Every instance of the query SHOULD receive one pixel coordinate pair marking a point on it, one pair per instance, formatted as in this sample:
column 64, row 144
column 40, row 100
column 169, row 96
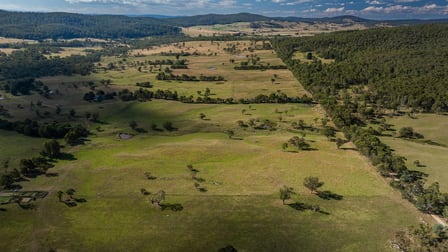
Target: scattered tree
column 285, row 193
column 60, row 194
column 339, row 142
column 159, row 198
column 329, row 132
column 52, row 149
column 72, row 113
column 168, row 126
column 408, row 132
column 228, row 248
column 230, row 133
column 6, row 180
column 312, row 183
column 133, row 124
column 299, row 142
column 70, row 192
column 309, row 56
column 285, row 146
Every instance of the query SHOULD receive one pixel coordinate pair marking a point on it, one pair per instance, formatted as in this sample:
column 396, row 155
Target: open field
column 302, row 57
column 69, row 51
column 433, row 158
column 432, row 126
column 8, row 50
column 15, row 146
column 240, row 176
column 4, row 40
column 211, row 61
column 273, row 28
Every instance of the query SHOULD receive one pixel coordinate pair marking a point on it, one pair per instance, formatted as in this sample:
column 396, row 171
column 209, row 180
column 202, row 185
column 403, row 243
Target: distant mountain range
column 212, row 19
column 33, row 25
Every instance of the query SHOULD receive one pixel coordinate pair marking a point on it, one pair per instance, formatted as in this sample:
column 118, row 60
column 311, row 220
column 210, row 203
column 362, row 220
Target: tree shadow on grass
column 80, row 200
column 70, row 203
column 67, row 157
column 349, row 148
column 299, row 206
column 16, row 186
column 27, row 206
column 329, row 195
column 140, row 130
column 80, row 141
column 51, row 174
column 303, row 207
column 173, row 207
column 74, row 202
column 202, row 189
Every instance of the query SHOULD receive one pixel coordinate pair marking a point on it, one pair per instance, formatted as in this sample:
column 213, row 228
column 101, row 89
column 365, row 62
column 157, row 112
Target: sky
column 373, row 9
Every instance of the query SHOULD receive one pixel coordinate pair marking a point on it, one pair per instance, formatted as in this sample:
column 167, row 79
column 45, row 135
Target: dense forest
column 212, row 19
column 33, row 62
column 404, row 66
column 66, row 25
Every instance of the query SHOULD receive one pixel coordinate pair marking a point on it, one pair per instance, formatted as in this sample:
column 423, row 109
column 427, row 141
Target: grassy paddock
column 69, row 51
column 242, row 179
column 14, row 147
column 433, row 158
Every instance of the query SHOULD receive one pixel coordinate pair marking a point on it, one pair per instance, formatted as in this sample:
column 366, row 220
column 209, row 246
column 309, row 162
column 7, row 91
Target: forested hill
column 28, row 25
column 390, row 67
column 212, row 19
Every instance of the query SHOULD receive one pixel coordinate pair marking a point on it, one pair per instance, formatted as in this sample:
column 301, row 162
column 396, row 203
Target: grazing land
column 242, row 178
column 273, row 28
column 431, row 151
column 229, row 194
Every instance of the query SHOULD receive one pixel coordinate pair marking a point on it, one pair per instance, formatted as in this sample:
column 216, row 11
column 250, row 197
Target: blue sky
column 375, row 9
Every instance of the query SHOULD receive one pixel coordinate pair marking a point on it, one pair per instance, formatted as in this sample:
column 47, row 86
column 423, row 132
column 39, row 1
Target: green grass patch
column 432, row 157
column 241, row 206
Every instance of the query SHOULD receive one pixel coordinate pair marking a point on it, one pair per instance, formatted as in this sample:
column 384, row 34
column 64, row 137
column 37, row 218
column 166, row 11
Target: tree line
column 71, row 133
column 142, row 94
column 186, row 77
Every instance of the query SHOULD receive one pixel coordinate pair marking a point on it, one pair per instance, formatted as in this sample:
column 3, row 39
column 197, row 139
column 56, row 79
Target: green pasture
column 14, row 147
column 432, row 126
column 242, row 178
column 433, row 157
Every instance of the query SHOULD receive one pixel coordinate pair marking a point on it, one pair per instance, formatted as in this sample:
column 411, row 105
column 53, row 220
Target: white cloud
column 374, row 2
column 429, row 8
column 406, row 1
column 227, row 3
column 298, row 2
column 333, row 10
column 125, row 2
